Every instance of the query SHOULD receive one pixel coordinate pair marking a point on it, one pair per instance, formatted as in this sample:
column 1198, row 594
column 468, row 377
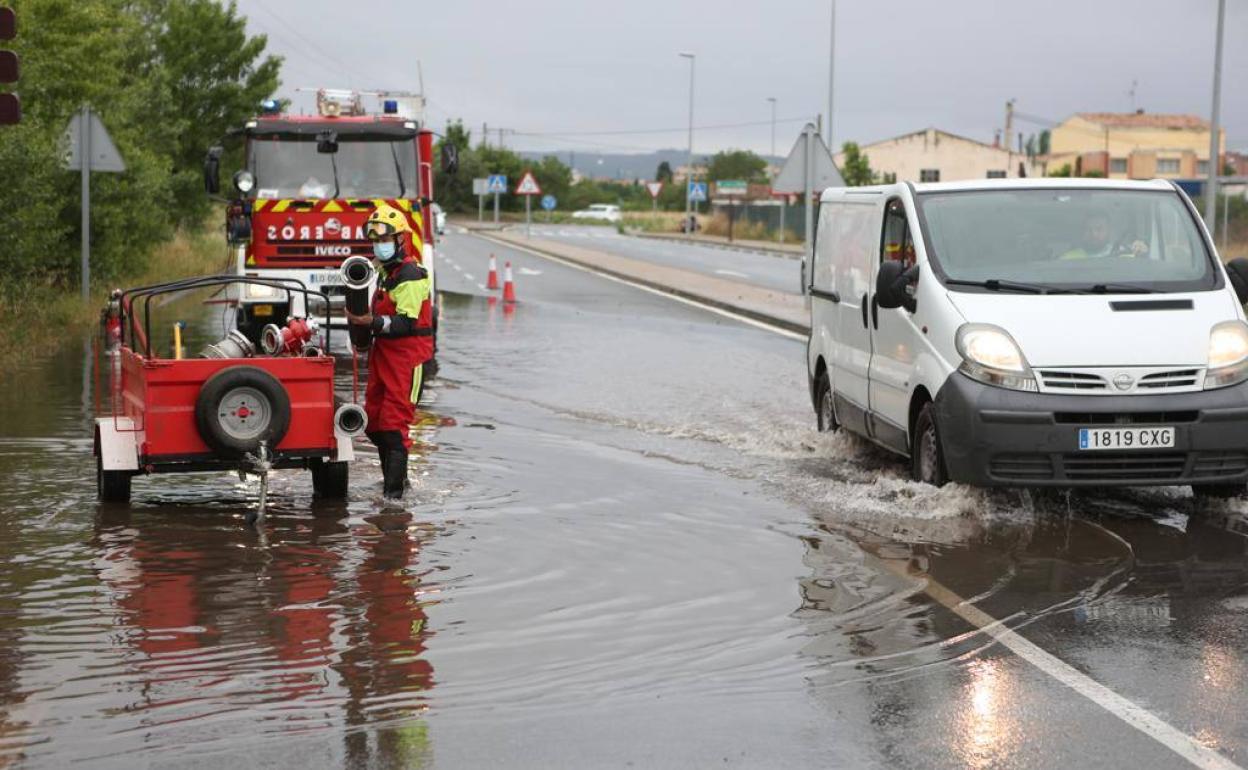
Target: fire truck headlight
column 244, row 181
column 260, row 291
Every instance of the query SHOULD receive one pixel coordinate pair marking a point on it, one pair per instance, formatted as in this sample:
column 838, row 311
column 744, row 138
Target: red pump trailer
column 231, row 411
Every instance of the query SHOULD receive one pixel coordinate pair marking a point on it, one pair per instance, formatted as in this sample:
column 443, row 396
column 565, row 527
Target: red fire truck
column 307, row 186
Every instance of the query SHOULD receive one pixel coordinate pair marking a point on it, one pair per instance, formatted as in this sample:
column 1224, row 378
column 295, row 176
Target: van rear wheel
column 927, row 458
column 824, row 412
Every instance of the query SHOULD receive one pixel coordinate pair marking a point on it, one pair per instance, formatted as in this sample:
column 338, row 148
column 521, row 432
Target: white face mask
column 384, row 250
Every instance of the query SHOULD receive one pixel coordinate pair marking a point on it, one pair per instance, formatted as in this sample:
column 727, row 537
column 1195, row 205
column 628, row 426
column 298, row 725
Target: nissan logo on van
column 1123, row 381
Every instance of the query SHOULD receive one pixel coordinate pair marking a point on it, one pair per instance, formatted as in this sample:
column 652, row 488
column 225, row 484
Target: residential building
column 1132, row 145
column 932, row 155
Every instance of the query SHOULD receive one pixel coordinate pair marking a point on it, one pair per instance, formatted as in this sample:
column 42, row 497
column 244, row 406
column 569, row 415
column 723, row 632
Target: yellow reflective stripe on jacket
column 409, row 296
column 418, row 374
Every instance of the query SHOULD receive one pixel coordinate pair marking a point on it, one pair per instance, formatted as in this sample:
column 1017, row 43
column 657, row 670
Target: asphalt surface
column 625, row 546
column 767, row 270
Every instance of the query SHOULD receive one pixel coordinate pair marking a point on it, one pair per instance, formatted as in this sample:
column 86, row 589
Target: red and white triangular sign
column 528, row 185
column 655, row 188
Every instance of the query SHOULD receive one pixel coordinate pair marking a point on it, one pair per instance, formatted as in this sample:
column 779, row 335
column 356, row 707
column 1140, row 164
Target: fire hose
column 357, row 276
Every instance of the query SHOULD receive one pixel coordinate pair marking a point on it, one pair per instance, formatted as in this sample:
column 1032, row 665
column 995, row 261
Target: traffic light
column 10, row 70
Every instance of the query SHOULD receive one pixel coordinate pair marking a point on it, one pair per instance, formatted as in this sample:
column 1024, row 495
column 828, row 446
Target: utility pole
column 831, row 74
column 485, row 134
column 1005, row 138
column 1211, row 186
column 689, row 177
column 772, row 99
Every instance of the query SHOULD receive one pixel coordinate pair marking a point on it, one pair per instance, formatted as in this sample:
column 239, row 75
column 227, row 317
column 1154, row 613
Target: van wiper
column 995, row 284
column 1120, row 288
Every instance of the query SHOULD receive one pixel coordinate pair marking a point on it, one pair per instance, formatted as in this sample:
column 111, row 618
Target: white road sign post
column 655, row 189
column 89, row 148
column 480, row 188
column 809, row 168
column 528, row 187
column 496, row 184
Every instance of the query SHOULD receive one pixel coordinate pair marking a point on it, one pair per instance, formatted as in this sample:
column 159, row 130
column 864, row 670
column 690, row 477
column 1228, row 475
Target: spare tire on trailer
column 240, row 406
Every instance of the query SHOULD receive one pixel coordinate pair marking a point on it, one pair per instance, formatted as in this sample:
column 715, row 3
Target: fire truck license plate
column 1126, row 438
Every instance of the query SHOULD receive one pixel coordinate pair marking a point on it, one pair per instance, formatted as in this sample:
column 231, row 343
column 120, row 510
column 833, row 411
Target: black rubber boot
column 395, row 469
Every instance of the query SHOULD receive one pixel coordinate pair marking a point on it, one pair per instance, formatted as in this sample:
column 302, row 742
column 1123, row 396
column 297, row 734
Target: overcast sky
column 565, row 69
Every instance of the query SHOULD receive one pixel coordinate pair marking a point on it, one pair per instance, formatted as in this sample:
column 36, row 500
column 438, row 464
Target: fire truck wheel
column 329, row 480
column 239, row 407
column 111, row 486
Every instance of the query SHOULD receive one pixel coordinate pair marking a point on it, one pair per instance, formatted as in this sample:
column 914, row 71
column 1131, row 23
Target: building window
column 1117, row 165
column 996, row 175
column 1167, row 165
column 929, row 175
column 1202, row 168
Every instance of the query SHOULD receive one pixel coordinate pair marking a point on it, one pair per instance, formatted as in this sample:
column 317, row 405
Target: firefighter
column 401, row 320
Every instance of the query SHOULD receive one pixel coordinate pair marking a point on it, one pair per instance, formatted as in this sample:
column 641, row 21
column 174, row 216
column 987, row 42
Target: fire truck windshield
column 290, row 167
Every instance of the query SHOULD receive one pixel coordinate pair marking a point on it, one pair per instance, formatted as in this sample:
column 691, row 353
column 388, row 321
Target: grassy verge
column 42, row 316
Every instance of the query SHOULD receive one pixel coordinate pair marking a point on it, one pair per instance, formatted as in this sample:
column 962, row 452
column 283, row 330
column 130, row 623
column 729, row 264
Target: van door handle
column 830, row 296
column 875, row 311
column 864, row 311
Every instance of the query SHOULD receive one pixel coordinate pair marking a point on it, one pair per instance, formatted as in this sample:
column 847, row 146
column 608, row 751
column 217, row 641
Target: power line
column 680, row 130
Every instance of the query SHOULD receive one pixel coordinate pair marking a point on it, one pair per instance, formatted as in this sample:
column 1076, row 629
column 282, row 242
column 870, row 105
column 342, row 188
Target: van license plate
column 1126, row 438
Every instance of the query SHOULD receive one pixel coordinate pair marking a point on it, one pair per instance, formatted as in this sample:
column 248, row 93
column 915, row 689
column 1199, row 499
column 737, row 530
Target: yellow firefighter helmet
column 386, row 221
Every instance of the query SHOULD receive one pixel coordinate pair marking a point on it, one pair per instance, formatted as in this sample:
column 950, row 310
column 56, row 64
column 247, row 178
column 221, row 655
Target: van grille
column 1118, row 466
column 1065, row 380
column 1179, row 378
column 1124, row 418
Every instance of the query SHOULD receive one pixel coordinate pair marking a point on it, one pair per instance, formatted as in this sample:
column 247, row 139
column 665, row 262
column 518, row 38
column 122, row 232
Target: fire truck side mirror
column 327, row 142
column 450, row 159
column 212, row 170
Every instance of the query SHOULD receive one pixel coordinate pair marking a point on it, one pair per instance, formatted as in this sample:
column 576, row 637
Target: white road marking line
column 458, row 269
column 733, row 273
column 481, row 286
column 1129, row 712
column 683, row 300
column 470, row 276
column 529, row 271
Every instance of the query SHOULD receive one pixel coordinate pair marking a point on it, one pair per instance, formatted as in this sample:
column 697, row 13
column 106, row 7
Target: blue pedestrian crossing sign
column 497, row 184
column 697, row 191
column 549, row 202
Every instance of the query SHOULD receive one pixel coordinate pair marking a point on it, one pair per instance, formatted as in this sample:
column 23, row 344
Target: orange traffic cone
column 509, row 286
column 492, row 282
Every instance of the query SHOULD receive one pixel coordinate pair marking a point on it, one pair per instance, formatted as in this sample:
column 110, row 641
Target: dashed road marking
column 732, row 273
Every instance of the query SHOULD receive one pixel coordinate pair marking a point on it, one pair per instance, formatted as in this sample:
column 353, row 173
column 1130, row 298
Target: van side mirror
column 450, row 159
column 327, row 142
column 892, row 284
column 1237, row 271
column 212, row 170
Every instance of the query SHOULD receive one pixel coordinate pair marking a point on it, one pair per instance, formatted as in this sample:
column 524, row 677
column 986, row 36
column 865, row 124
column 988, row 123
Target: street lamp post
column 689, row 178
column 1211, row 185
column 831, row 73
column 772, row 99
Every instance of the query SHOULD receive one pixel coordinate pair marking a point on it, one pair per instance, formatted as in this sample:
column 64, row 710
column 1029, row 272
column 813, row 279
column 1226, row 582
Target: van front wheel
column 823, row 405
column 927, row 459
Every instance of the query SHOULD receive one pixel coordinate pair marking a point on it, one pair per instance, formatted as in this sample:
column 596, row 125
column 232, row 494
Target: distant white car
column 602, row 212
column 439, row 219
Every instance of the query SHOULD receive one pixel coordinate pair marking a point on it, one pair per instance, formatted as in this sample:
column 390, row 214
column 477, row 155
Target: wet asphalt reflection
column 625, row 546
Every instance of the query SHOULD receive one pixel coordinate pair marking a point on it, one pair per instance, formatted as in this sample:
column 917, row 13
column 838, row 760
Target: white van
column 1032, row 332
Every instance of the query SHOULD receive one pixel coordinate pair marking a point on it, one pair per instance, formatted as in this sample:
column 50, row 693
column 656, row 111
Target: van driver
column 1097, row 241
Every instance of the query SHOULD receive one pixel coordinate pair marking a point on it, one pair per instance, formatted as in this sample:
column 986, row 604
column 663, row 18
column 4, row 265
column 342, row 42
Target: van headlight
column 1228, row 355
column 990, row 355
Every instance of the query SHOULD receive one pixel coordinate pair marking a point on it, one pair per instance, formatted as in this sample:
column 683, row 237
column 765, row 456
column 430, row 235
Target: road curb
column 771, row 252
column 685, row 294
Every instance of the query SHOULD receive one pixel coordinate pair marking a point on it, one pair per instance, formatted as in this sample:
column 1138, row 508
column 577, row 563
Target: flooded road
column 625, row 546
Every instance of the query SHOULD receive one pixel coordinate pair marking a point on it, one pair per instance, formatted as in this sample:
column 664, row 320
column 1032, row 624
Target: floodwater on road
column 625, row 546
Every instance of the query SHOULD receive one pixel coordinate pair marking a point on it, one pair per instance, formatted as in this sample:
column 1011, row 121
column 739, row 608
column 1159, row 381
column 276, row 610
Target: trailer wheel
column 239, row 407
column 329, row 480
column 111, row 486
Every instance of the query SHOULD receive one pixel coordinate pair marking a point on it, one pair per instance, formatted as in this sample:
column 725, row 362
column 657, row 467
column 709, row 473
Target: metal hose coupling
column 357, row 272
column 350, row 420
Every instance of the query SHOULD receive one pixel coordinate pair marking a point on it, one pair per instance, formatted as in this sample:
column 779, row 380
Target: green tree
column 216, row 77
column 663, row 173
column 855, row 168
column 1043, row 144
column 737, row 164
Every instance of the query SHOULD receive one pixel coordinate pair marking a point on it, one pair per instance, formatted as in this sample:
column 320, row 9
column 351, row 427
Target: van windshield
column 1066, row 239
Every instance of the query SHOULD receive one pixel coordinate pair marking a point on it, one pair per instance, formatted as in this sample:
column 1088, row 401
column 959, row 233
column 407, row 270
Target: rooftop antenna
column 1131, row 93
